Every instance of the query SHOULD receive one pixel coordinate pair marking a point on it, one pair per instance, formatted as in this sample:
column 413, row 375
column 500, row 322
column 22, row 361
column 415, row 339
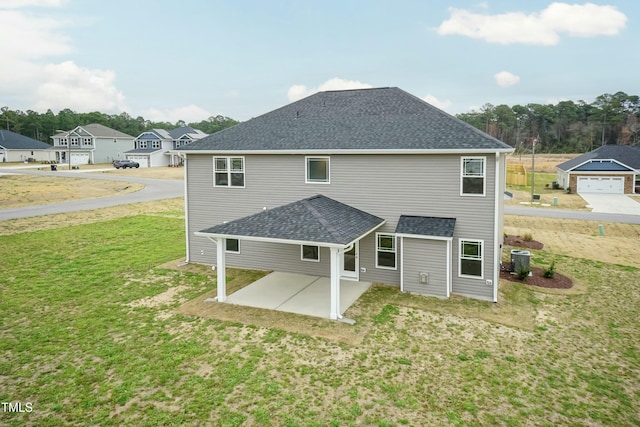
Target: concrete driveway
column 297, row 293
column 612, row 203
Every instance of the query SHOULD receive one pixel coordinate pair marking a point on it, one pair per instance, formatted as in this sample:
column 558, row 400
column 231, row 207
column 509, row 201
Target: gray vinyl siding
column 425, row 256
column 384, row 185
column 107, row 150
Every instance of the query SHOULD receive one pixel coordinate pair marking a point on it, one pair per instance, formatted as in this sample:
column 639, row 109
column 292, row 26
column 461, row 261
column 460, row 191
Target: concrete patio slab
column 297, row 293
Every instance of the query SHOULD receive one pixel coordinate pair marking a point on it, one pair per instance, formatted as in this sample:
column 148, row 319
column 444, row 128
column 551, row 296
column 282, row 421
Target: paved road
column 564, row 213
column 155, row 189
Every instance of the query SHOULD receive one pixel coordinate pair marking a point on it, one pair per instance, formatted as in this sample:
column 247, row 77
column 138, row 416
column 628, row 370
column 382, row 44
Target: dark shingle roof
column 625, row 154
column 316, row 219
column 602, row 165
column 14, row 141
column 363, row 119
column 426, row 226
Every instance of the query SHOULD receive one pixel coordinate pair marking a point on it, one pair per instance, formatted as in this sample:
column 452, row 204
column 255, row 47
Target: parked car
column 125, row 164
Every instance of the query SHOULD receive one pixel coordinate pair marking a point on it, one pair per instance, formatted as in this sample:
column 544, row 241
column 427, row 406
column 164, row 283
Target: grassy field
column 94, row 331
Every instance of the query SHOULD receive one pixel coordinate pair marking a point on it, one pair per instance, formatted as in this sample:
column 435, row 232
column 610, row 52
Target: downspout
column 186, row 206
column 497, row 251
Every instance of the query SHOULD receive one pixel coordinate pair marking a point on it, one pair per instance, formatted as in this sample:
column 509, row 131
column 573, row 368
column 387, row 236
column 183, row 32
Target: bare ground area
column 580, row 239
column 174, row 207
column 29, row 190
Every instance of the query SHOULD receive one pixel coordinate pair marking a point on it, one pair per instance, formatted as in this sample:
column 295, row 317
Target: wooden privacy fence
column 516, row 175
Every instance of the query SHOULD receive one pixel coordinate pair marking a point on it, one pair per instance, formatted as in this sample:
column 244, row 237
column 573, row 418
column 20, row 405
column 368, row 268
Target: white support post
column 335, row 284
column 221, row 244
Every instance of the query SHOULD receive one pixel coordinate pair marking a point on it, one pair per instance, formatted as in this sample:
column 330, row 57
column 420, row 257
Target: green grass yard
column 87, row 338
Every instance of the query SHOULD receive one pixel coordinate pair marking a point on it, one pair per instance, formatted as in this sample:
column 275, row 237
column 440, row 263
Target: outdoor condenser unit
column 520, row 260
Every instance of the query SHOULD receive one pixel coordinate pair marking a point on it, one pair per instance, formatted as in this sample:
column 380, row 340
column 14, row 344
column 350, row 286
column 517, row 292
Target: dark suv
column 125, row 164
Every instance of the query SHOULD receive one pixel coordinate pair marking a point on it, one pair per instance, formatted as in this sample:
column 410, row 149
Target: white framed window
column 142, row 144
column 63, row 141
column 386, row 255
column 317, row 170
column 228, row 171
column 232, row 246
column 473, row 176
column 74, row 142
column 155, row 144
column 86, row 141
column 310, row 253
column 471, row 258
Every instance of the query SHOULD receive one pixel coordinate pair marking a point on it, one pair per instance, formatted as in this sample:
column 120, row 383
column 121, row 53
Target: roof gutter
column 329, row 151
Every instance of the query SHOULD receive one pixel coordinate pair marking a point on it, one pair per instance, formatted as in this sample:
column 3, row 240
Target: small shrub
column 527, row 237
column 522, row 273
column 550, row 271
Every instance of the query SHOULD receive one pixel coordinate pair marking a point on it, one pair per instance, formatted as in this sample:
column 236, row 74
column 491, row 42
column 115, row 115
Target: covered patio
column 317, row 221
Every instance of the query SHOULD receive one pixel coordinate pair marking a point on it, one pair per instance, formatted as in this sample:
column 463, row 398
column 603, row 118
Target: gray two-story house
column 155, row 147
column 373, row 185
column 90, row 144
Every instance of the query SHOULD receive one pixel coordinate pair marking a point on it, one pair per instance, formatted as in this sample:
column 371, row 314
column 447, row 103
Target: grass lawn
column 91, row 334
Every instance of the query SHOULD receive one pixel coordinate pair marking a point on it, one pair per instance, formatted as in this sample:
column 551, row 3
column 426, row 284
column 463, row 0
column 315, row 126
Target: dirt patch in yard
column 30, row 190
column 522, row 243
column 168, row 207
column 581, row 239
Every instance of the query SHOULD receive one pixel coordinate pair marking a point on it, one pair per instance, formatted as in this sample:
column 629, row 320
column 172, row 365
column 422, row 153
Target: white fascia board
column 424, row 237
column 600, row 161
column 271, row 240
column 356, row 151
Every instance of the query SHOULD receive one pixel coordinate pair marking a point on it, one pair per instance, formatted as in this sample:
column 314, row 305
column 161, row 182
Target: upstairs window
column 155, row 144
column 228, row 171
column 473, row 176
column 142, row 144
column 86, row 141
column 63, row 141
column 74, row 142
column 317, row 170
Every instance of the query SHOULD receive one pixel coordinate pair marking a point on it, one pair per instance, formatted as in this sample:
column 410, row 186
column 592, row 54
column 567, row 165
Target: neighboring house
column 19, row 148
column 611, row 169
column 373, row 185
column 153, row 147
column 92, row 143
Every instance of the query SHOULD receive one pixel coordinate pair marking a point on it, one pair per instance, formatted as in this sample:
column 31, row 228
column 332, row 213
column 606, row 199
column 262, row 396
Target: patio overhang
column 315, row 221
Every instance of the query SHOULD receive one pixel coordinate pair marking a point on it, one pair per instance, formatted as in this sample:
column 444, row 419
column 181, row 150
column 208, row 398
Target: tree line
column 566, row 127
column 41, row 126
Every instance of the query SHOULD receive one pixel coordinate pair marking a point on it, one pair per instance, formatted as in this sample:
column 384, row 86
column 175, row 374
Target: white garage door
column 143, row 160
column 79, row 158
column 600, row 184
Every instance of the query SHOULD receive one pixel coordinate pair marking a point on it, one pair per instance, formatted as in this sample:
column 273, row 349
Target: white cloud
column 13, row 4
column 543, row 28
column 297, row 92
column 69, row 86
column 189, row 113
column 506, row 79
column 38, row 72
column 441, row 104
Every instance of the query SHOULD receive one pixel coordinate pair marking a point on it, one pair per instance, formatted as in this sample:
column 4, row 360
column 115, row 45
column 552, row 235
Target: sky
column 193, row 59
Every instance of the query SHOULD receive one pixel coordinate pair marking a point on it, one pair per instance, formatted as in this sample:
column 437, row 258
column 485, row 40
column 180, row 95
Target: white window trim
column 244, row 172
column 142, row 144
column 461, row 257
column 306, row 170
column 395, row 251
column 156, row 144
column 309, row 259
column 484, row 176
column 231, row 252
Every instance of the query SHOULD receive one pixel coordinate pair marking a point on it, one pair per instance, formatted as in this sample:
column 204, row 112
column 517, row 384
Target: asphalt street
column 158, row 189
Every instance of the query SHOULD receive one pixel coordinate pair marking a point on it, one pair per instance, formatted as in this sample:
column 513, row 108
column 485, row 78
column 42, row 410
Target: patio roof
column 316, row 220
column 426, row 226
